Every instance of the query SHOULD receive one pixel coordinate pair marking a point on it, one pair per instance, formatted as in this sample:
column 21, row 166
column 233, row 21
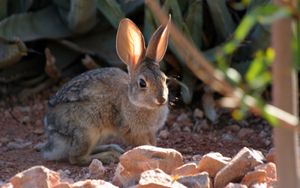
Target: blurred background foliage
column 44, row 41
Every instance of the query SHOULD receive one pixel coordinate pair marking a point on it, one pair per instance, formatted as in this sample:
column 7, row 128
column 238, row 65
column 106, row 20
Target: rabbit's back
column 88, row 100
column 86, row 86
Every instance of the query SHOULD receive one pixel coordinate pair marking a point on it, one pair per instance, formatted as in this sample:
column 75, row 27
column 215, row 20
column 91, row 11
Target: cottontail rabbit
column 108, row 101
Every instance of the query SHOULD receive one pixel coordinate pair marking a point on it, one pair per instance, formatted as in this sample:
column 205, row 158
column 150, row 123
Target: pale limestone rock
column 96, row 169
column 186, row 170
column 200, row 180
column 235, row 185
column 142, row 158
column 35, row 177
column 243, row 162
column 212, row 163
column 254, row 177
column 157, row 179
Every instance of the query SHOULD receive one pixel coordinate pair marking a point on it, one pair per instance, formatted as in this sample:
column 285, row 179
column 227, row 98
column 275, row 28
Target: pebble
column 186, row 129
column 164, row 134
column 245, row 133
column 227, row 137
column 196, row 158
column 197, row 114
column 96, row 169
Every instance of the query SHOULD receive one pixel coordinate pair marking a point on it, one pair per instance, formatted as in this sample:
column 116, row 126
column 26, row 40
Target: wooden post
column 285, row 96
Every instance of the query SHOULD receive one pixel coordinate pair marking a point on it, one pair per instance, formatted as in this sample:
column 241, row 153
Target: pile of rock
column 148, row 166
column 154, row 167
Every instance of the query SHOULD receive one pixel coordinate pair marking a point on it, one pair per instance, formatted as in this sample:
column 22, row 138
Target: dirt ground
column 21, row 129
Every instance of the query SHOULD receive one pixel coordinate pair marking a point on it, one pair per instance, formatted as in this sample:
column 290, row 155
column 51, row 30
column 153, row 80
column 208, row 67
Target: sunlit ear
column 130, row 43
column 158, row 43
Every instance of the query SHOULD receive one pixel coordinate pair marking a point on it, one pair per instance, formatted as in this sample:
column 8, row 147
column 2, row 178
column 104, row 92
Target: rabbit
column 106, row 102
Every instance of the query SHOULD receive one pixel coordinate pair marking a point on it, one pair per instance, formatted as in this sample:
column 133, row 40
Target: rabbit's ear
column 158, row 43
column 130, row 43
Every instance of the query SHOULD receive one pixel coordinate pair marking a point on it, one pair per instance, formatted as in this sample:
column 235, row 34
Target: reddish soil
column 21, row 129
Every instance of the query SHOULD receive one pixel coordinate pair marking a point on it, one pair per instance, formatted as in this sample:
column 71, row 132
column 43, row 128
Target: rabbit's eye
column 142, row 83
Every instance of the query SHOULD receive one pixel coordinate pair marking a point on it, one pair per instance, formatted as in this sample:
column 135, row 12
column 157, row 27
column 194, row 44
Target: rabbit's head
column 147, row 84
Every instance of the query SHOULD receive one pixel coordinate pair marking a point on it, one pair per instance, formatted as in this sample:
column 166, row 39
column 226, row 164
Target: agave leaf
column 18, row 6
column 45, row 23
column 188, row 90
column 149, row 24
column 209, row 105
column 131, row 6
column 222, row 19
column 3, row 9
column 11, row 52
column 103, row 45
column 81, row 16
column 111, row 10
column 194, row 22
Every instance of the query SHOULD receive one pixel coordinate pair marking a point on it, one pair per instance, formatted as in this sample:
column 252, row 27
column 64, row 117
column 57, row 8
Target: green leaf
column 45, row 23
column 269, row 13
column 111, row 10
column 244, row 28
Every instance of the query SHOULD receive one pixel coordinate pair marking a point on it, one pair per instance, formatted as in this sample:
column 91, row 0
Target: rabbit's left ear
column 158, row 43
column 130, row 43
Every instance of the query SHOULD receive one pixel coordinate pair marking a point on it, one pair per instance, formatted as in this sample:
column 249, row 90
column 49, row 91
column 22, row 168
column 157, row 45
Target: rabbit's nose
column 161, row 100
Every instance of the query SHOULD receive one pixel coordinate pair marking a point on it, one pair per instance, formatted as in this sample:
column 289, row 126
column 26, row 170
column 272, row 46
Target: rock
column 201, row 125
column 93, row 184
column 96, row 169
column 243, row 162
column 271, row 173
column 245, row 133
column 260, row 185
column 187, row 129
column 229, row 138
column 36, row 177
column 196, row 158
column 7, row 185
column 164, row 134
column 186, row 170
column 197, row 114
column 254, row 177
column 235, row 185
column 201, row 180
column 176, row 127
column 184, row 120
column 157, row 179
column 212, row 163
column 271, row 156
column 145, row 158
column 64, row 176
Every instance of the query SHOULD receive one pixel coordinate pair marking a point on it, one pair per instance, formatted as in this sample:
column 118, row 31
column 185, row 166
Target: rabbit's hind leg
column 56, row 147
column 81, row 147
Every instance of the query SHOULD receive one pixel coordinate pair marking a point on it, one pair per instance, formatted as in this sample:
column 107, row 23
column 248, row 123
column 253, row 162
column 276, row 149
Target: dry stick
column 213, row 77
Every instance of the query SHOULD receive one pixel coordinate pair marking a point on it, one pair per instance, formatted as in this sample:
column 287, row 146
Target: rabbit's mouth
column 154, row 104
